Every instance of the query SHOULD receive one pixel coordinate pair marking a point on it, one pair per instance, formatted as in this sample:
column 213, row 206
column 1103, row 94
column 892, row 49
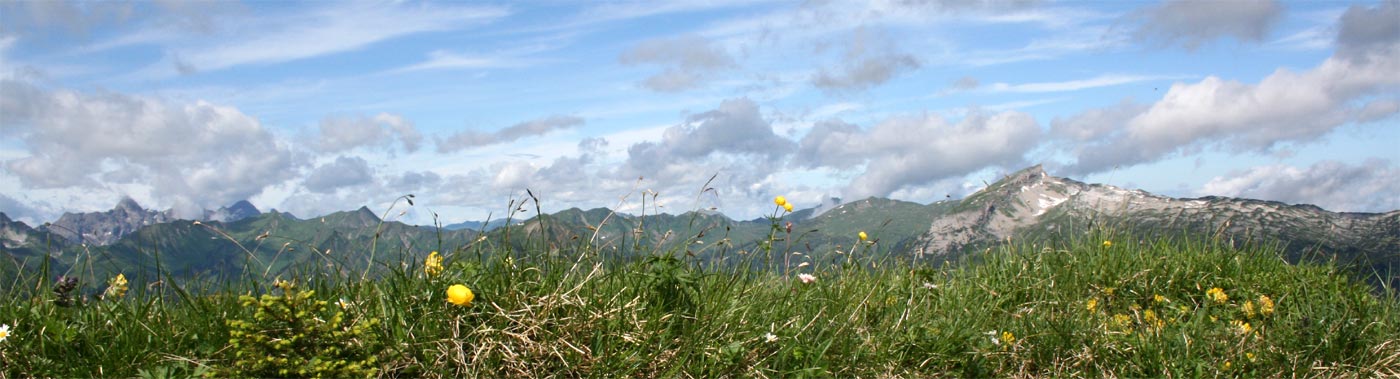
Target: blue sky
column 318, row 107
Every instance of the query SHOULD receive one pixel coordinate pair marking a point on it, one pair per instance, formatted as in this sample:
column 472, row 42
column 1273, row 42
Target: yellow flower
column 780, row 200
column 1244, row 327
column 1266, row 305
column 1248, row 309
column 1160, row 299
column 1225, row 366
column 862, row 236
column 1092, row 304
column 460, row 295
column 1249, row 356
column 1122, row 321
column 433, row 265
column 1149, row 317
column 1217, row 295
column 1008, row 338
column 117, row 287
column 4, row 332
column 787, row 207
column 1107, row 243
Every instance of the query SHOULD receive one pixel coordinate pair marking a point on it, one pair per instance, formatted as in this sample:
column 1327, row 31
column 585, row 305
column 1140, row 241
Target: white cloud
column 736, row 127
column 1105, row 80
column 1335, row 186
column 1192, row 23
column 343, row 172
column 1286, row 106
column 332, row 29
column 337, row 134
column 687, row 60
column 870, row 59
column 1365, row 31
column 471, row 138
column 193, row 155
column 904, row 152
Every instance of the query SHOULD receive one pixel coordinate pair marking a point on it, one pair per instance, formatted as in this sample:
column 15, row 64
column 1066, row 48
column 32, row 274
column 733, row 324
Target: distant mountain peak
column 129, row 204
column 237, row 211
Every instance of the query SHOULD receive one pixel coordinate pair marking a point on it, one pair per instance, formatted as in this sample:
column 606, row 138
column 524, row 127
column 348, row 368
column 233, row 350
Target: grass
column 1074, row 308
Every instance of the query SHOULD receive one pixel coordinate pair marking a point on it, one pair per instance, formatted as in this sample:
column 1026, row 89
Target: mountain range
column 1028, row 205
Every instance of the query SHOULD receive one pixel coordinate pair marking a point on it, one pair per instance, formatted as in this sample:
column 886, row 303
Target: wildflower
column 787, row 207
column 460, row 295
column 1248, row 309
column 862, row 236
column 769, row 337
column 433, row 265
column 806, row 278
column 1092, row 304
column 1160, row 299
column 780, row 200
column 4, row 332
column 1008, row 337
column 1266, row 305
column 931, row 286
column 995, row 340
column 1225, row 366
column 1107, row 243
column 1249, row 356
column 117, row 287
column 343, row 304
column 1217, row 295
column 1149, row 317
column 1244, row 327
column 1122, row 320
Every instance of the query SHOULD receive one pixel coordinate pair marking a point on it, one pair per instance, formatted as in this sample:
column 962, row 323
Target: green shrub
column 296, row 335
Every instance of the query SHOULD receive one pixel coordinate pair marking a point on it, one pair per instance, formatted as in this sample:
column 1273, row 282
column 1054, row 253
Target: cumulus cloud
column 1286, row 106
column 343, row 172
column 687, row 60
column 903, row 152
column 1094, row 124
column 193, row 155
column 337, row 134
column 471, row 138
column 1336, row 186
column 736, row 127
column 1367, row 30
column 1192, row 23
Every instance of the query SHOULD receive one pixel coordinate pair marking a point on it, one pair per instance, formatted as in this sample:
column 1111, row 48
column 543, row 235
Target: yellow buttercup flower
column 117, row 287
column 1217, row 295
column 1160, row 299
column 433, row 265
column 862, row 236
column 780, row 200
column 460, row 295
column 787, row 207
column 1107, row 243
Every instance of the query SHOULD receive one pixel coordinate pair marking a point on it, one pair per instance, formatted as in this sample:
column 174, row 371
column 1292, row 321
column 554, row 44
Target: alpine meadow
column 700, row 189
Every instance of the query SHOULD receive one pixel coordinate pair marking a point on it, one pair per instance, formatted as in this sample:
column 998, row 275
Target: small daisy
column 4, row 332
column 806, row 278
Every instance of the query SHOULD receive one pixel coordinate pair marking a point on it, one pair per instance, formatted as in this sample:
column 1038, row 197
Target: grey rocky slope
column 1033, row 204
column 105, row 228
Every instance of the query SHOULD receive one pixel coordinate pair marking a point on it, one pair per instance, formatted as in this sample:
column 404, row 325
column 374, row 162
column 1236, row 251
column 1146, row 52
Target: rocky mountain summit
column 1031, row 204
column 238, row 211
column 105, row 228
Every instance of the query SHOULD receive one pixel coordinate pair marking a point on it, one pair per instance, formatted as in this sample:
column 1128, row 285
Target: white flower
column 4, row 332
column 930, row 286
column 770, row 337
column 995, row 340
column 806, row 278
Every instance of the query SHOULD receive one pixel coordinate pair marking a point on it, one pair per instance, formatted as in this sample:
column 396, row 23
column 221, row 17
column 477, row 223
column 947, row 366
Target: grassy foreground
column 1078, row 308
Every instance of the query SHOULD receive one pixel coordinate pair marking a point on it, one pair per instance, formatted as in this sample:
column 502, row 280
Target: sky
column 672, row 106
